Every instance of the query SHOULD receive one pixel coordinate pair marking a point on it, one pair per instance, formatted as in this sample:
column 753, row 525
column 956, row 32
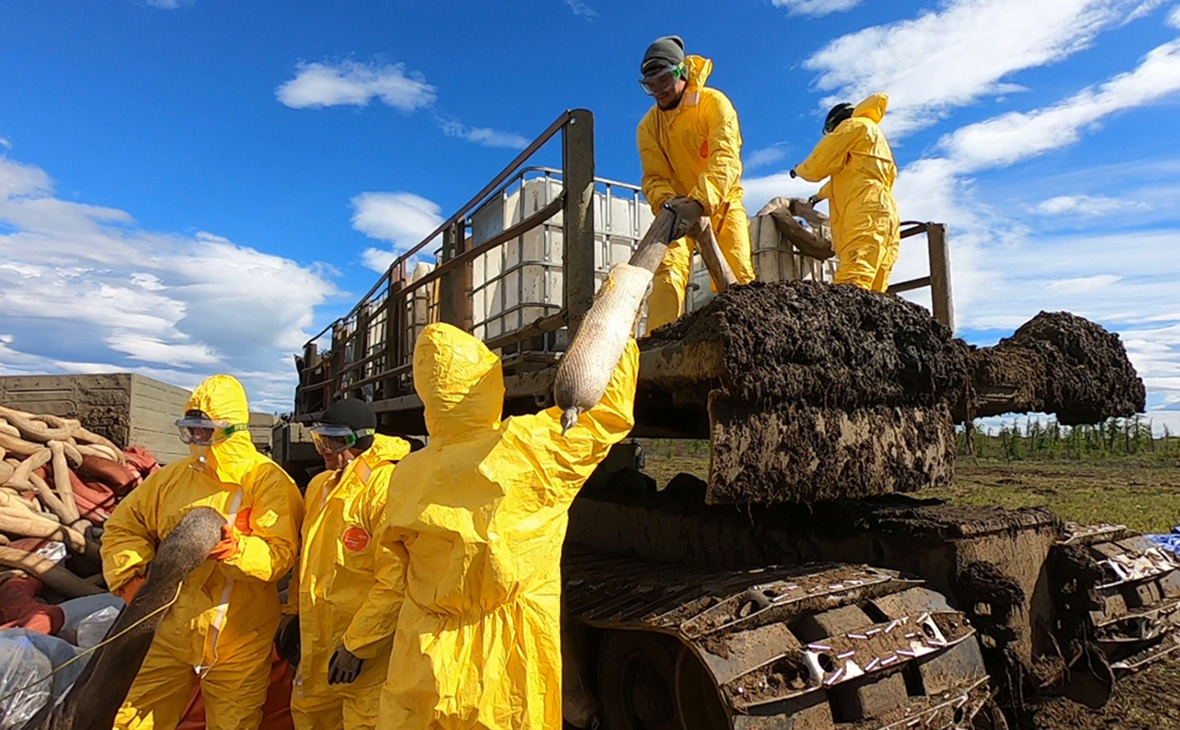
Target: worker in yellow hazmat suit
column 857, row 158
column 479, row 516
column 347, row 587
column 219, row 630
column 689, row 145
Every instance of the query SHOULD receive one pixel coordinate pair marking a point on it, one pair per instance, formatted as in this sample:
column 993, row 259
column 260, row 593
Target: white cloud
column 155, row 350
column 815, row 8
column 5, row 143
column 355, row 84
column 401, row 218
column 1088, row 205
column 582, row 9
column 1008, row 138
column 17, row 179
column 1174, row 17
column 764, row 157
column 960, row 53
column 1084, row 284
column 83, row 289
column 166, row 4
column 482, row 135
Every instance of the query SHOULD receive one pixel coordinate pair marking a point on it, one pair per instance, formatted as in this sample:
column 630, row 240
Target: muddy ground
column 1149, row 700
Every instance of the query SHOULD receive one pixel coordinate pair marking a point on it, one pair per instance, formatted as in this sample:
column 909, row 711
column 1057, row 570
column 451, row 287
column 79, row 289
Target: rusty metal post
column 578, row 215
column 941, row 297
column 454, row 301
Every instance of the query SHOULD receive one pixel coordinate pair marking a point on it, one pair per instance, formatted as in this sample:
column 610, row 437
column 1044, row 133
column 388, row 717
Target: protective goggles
column 663, row 80
column 330, row 439
column 205, row 431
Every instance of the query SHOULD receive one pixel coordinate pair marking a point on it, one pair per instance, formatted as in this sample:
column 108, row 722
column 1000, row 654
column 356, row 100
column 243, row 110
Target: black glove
column 793, row 174
column 287, row 640
column 344, row 668
column 688, row 215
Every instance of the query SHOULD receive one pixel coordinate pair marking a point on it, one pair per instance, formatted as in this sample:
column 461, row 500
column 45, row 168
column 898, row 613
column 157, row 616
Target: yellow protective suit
column 223, row 623
column 865, row 230
column 694, row 151
column 349, row 589
column 479, row 516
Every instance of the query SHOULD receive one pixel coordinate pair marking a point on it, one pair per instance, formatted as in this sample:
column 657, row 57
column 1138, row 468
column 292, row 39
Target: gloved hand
column 688, row 215
column 227, row 548
column 287, row 642
column 343, row 667
column 793, row 174
column 128, row 590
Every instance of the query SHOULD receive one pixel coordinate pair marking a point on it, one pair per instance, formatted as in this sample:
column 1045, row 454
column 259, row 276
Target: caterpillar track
column 818, row 646
column 1121, row 592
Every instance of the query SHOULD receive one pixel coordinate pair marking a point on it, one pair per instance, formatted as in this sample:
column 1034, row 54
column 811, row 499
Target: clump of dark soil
column 830, row 346
column 1063, row 364
column 843, row 347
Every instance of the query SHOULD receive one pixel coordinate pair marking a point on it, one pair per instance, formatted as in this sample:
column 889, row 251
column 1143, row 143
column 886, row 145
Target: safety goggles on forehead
column 205, row 431
column 663, row 80
column 330, row 439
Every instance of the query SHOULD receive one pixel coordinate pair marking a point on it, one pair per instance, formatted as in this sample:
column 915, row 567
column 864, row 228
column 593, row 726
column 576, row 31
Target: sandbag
column 20, row 609
column 119, row 478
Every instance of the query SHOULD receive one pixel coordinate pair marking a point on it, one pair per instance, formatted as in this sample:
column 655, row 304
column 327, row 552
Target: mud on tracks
column 1063, row 364
column 829, row 346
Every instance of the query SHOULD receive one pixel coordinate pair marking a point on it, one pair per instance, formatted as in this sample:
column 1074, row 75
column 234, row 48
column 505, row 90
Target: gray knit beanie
column 663, row 53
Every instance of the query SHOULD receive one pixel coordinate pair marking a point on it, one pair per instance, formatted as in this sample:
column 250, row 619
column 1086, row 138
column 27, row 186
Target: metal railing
column 939, row 279
column 371, row 347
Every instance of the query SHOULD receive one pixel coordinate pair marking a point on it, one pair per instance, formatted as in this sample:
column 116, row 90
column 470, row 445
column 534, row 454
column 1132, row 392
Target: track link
column 819, row 646
column 1125, row 593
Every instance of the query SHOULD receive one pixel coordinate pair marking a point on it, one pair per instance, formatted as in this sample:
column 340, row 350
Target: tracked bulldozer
column 797, row 586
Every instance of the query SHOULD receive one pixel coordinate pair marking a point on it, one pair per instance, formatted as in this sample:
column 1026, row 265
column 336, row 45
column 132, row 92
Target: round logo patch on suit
column 355, row 539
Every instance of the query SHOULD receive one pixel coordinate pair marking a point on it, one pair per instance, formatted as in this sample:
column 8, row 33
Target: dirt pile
column 834, row 347
column 817, row 391
column 1060, row 363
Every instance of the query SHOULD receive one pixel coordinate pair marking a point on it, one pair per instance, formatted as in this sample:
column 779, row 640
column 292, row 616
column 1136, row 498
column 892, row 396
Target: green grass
column 1142, row 494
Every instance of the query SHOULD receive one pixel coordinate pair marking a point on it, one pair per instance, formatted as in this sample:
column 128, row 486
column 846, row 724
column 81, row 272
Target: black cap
column 663, row 53
column 837, row 114
column 356, row 414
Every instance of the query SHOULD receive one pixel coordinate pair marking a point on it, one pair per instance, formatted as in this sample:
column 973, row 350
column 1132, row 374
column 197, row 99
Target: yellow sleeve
column 130, row 537
column 830, row 153
column 724, row 170
column 276, row 514
column 311, row 497
column 376, row 618
column 657, row 170
column 572, row 458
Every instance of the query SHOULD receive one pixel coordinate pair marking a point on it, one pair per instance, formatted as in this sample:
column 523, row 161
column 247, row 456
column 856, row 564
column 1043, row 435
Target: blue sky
column 193, row 186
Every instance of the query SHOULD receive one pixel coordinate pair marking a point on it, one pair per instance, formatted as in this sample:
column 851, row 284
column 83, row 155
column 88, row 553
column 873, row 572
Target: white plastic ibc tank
column 512, row 282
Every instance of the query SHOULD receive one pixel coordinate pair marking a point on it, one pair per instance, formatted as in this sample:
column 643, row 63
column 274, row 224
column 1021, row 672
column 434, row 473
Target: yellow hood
column 222, row 398
column 386, row 448
column 699, row 69
column 872, row 108
column 459, row 380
